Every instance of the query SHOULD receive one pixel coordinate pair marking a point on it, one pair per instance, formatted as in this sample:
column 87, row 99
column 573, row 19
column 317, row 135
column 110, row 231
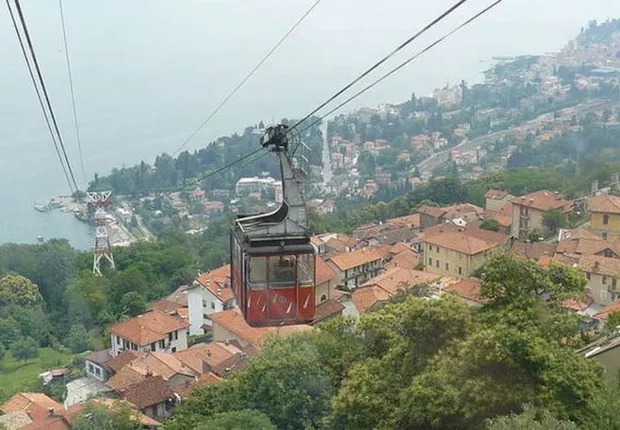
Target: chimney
column 208, row 353
column 50, row 412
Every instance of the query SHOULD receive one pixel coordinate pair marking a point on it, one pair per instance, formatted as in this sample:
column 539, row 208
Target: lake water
column 147, row 73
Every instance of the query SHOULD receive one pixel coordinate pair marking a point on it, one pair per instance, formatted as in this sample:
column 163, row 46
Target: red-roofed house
column 210, row 293
column 354, row 268
column 152, row 331
column 528, row 211
column 468, row 289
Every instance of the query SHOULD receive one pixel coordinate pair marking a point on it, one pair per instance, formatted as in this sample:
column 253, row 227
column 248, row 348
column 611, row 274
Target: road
column 427, row 166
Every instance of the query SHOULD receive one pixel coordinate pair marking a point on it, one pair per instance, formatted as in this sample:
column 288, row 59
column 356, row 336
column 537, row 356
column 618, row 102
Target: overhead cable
column 405, row 63
column 383, row 60
column 247, row 77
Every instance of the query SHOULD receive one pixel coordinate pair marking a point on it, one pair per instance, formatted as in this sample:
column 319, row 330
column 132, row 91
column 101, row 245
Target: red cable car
column 273, row 260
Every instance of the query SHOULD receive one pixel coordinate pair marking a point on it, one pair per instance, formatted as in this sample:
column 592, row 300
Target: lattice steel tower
column 102, row 248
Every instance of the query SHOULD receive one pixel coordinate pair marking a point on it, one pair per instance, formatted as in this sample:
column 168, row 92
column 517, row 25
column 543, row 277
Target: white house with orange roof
column 354, row 268
column 210, row 293
column 528, row 211
column 152, row 331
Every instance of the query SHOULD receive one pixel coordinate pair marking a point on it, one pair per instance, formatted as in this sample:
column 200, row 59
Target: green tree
column 132, row 304
column 78, row 339
column 101, row 417
column 25, row 349
column 613, row 320
column 238, row 420
column 18, row 290
column 554, row 220
column 530, row 419
column 490, row 224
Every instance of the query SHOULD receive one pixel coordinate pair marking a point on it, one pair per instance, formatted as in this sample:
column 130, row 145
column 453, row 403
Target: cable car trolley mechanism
column 273, row 260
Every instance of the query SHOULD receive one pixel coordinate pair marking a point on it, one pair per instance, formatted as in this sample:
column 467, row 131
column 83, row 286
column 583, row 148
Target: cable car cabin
column 273, row 261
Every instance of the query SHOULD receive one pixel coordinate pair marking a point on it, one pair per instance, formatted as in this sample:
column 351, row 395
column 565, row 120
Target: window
column 323, row 298
column 204, row 303
column 118, row 340
column 176, row 335
column 174, row 349
column 460, row 270
column 91, row 368
column 614, row 282
column 162, row 344
column 436, row 263
column 447, row 266
column 97, row 371
column 605, row 219
column 153, row 346
column 604, row 234
column 430, row 261
column 134, row 346
column 170, row 336
column 212, row 305
column 604, row 280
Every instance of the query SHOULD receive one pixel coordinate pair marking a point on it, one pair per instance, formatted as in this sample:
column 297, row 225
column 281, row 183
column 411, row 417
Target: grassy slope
column 18, row 376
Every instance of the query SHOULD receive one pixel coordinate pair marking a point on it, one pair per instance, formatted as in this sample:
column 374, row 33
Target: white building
column 152, row 331
column 254, row 185
column 210, row 293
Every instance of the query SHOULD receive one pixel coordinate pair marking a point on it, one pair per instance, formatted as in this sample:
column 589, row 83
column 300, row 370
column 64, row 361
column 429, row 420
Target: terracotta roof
column 168, row 306
column 411, row 221
column 329, row 308
column 48, row 423
column 163, row 364
column 533, row 250
column 604, row 204
column 469, row 241
column 495, row 194
column 100, row 357
column 543, row 200
column 432, row 211
column 153, row 390
column 15, row 420
column 217, row 281
column 126, row 377
column 324, row 272
column 578, row 233
column 366, row 297
column 588, row 246
column 21, row 402
column 233, row 321
column 405, row 259
column 609, row 309
column 179, row 295
column 604, row 266
column 463, row 210
column 468, row 289
column 503, row 216
column 399, row 247
column 353, row 259
column 393, row 235
column 334, row 241
column 213, row 354
column 149, row 327
column 123, row 358
column 187, row 387
column 578, row 305
column 396, row 278
column 234, row 363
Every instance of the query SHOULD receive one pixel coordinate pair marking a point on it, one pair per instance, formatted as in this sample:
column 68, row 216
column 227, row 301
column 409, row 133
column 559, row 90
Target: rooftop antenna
column 100, row 200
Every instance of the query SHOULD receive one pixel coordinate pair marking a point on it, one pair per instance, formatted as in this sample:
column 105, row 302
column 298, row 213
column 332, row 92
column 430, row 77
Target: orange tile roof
column 577, row 305
column 467, row 241
column 405, row 259
column 432, row 211
column 495, row 194
column 149, row 327
column 166, row 305
column 329, row 308
column 163, row 364
column 126, row 377
column 208, row 378
column 578, row 233
column 543, row 200
column 609, row 309
column 588, row 246
column 233, row 321
column 604, row 204
column 213, row 354
column 399, row 247
column 123, row 358
column 23, row 401
column 365, row 298
column 503, row 216
column 217, row 281
column 324, row 272
column 397, row 278
column 604, row 266
column 357, row 258
column 462, row 210
column 411, row 221
column 468, row 289
column 533, row 250
column 151, row 391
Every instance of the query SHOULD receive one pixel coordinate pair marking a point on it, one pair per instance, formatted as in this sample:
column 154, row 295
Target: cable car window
column 305, row 269
column 258, row 271
column 282, row 270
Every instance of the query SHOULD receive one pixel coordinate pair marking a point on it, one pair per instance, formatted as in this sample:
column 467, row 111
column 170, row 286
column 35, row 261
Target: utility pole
column 102, row 248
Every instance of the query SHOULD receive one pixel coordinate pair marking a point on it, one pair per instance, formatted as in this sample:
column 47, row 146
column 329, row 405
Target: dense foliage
column 425, row 363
